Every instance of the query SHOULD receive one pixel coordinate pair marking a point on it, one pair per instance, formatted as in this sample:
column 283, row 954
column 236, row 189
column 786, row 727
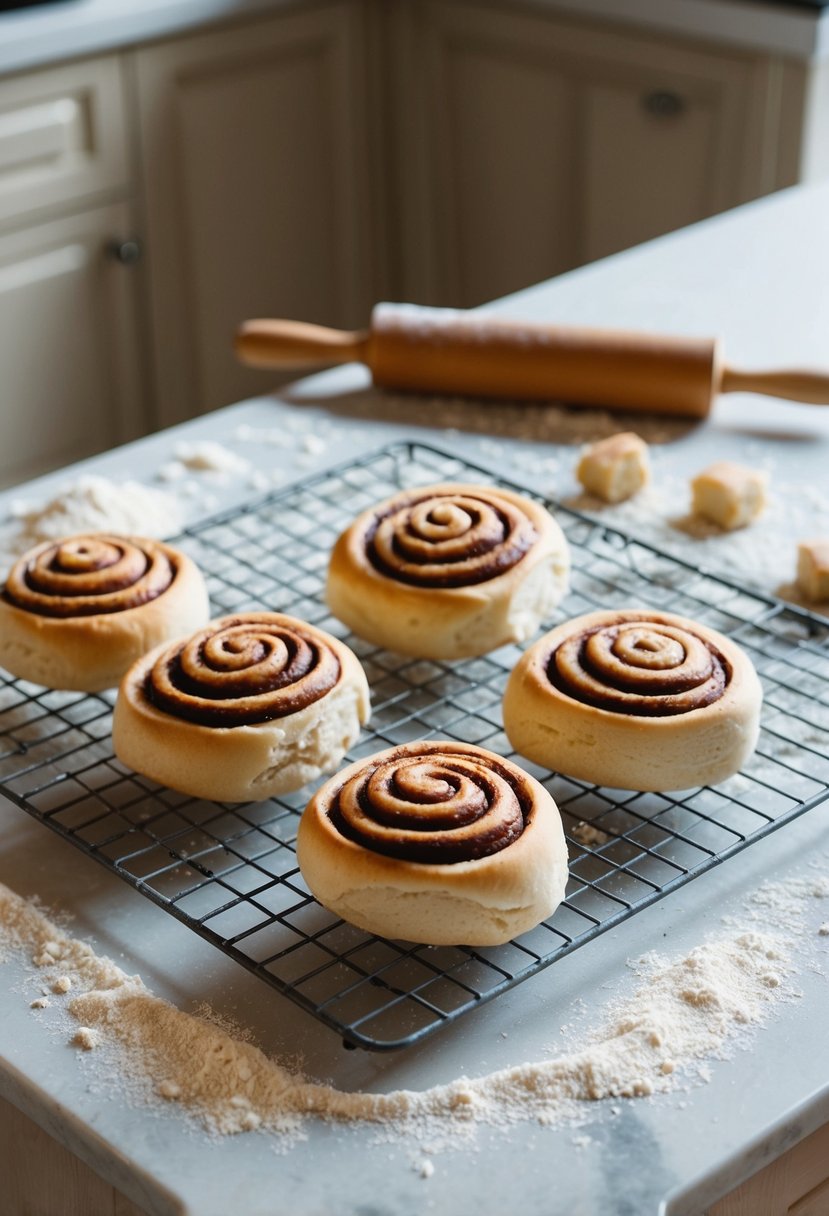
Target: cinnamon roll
column 75, row 613
column 448, row 571
column 250, row 706
column 439, row 842
column 635, row 699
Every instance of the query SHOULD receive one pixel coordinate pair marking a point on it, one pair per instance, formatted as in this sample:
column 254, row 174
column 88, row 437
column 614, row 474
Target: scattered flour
column 90, row 504
column 587, row 833
column 208, row 456
column 763, row 555
column 683, row 1013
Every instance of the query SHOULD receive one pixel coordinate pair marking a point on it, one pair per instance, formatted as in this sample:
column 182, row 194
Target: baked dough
column 439, row 842
column 448, row 571
column 636, row 700
column 616, row 468
column 75, row 613
column 813, row 569
column 253, row 705
column 728, row 494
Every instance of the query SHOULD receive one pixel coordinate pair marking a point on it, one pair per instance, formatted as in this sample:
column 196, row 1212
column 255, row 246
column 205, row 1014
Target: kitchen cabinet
column 68, row 342
column 532, row 143
column 45, row 1178
column 312, row 159
column 797, row 1184
column 69, row 338
column 255, row 171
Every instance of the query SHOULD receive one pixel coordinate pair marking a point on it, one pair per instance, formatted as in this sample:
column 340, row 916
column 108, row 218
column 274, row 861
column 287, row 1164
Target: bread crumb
column 85, row 1037
column 616, row 468
column 62, row 984
column 728, row 494
column 40, row 1002
column 586, row 833
column 813, row 569
column 168, row 1089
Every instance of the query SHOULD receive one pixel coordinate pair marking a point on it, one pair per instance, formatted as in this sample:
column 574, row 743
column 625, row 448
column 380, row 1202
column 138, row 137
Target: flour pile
column 90, row 504
column 684, row 1012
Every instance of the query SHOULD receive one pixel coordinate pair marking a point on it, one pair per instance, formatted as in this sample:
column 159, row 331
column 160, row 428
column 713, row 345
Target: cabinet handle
column 663, row 103
column 127, row 252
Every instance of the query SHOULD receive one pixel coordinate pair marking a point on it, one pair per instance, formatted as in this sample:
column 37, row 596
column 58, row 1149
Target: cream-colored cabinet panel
column 42, row 1178
column 797, row 1184
column 63, row 137
column 254, row 164
column 531, row 143
column 68, row 345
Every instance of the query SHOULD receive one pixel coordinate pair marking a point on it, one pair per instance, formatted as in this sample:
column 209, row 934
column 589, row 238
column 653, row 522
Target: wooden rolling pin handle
column 275, row 343
column 809, row 387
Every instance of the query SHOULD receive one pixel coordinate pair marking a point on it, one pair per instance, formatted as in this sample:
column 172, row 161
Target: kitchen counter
column 758, row 277
column 49, row 33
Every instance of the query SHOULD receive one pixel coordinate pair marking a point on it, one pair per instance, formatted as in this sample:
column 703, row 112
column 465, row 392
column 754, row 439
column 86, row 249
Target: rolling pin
column 447, row 351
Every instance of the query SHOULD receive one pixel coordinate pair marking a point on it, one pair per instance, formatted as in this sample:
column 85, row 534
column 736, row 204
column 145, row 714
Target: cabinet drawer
column 62, row 137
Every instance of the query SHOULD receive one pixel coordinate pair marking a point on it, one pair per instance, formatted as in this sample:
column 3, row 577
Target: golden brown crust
column 436, row 842
column 75, row 614
column 230, row 715
column 635, row 699
column 449, row 570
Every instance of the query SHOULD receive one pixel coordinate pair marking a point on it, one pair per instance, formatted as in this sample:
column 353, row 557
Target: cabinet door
column 252, row 142
column 533, row 144
column 68, row 320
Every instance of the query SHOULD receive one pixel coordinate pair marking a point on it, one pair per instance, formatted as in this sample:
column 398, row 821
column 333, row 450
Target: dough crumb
column 586, row 833
column 616, row 468
column 85, row 1037
column 728, row 494
column 813, row 569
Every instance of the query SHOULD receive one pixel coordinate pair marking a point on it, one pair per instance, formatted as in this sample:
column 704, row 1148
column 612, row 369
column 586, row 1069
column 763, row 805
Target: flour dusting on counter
column 90, row 504
column 683, row 1013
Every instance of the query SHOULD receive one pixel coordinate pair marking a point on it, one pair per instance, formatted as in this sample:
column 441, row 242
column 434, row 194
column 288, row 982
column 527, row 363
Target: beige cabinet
column 532, row 143
column 309, row 161
column 69, row 325
column 68, row 343
column 254, row 163
column 796, row 1184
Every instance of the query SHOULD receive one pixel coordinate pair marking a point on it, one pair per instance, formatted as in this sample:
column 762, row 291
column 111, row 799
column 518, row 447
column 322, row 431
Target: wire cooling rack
column 229, row 871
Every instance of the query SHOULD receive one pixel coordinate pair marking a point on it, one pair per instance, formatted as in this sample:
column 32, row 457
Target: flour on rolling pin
column 420, row 323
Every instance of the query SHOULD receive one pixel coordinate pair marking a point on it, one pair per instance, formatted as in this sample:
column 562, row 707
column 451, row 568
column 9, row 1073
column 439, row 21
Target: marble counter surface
column 49, row 33
column 756, row 276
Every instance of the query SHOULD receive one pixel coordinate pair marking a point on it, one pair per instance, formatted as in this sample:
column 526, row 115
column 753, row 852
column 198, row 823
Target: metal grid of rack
column 229, row 871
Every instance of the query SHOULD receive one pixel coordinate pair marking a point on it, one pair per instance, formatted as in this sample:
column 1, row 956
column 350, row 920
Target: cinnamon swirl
column 439, row 842
column 635, row 699
column 253, row 705
column 75, row 613
column 448, row 571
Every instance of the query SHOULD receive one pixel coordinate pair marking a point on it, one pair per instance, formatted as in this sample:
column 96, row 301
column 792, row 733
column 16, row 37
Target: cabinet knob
column 127, row 251
column 663, row 103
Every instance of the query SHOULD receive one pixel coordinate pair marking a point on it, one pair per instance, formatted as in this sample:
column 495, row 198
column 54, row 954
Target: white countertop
column 67, row 29
column 758, row 277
